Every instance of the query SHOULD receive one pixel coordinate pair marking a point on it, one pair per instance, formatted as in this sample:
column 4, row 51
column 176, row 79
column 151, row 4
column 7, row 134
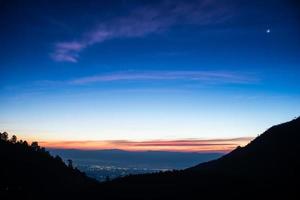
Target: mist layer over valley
column 110, row 164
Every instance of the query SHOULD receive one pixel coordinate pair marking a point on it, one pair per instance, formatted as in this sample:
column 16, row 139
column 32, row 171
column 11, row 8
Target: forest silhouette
column 268, row 167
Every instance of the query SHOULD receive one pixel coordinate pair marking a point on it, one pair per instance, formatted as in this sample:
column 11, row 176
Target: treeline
column 266, row 168
column 4, row 137
column 34, row 146
column 28, row 171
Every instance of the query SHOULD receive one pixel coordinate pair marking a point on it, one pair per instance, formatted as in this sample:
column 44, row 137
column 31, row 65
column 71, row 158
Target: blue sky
column 148, row 70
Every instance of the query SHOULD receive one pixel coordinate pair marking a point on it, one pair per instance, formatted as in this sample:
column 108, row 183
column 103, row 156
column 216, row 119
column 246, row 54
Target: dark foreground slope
column 30, row 172
column 268, row 168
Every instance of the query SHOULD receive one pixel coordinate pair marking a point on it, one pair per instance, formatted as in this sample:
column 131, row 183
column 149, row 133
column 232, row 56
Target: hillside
column 277, row 147
column 267, row 167
column 30, row 172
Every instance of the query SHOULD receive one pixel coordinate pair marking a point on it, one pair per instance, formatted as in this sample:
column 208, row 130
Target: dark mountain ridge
column 30, row 172
column 268, row 167
column 278, row 146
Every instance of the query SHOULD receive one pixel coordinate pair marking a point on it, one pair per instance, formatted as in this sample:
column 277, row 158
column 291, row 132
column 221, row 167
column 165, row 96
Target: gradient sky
column 96, row 71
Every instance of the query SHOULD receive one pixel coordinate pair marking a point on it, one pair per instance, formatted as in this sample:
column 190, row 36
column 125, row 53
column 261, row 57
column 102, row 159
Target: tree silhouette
column 43, row 150
column 70, row 163
column 58, row 158
column 35, row 146
column 25, row 143
column 29, row 172
column 13, row 139
column 4, row 136
column 267, row 168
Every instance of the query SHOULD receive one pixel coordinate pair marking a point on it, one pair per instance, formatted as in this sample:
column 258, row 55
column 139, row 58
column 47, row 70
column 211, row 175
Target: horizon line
column 178, row 145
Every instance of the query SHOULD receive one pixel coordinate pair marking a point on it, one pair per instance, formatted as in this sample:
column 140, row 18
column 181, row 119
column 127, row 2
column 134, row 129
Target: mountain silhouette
column 277, row 147
column 266, row 168
column 30, row 172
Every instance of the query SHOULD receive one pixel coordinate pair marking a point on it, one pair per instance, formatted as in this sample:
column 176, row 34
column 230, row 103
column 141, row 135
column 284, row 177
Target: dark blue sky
column 148, row 69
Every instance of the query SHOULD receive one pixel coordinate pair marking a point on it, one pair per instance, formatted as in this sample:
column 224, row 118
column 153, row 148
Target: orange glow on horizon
column 184, row 145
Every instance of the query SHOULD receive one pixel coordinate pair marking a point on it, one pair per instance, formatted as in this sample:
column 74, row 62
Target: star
column 268, row 31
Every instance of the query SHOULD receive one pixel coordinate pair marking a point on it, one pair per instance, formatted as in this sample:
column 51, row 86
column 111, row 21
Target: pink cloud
column 186, row 145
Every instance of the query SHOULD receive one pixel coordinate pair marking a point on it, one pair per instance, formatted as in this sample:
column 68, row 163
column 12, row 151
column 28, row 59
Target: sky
column 195, row 75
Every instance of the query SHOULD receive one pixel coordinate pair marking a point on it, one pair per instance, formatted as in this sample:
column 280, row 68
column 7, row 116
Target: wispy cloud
column 187, row 145
column 202, row 76
column 186, row 79
column 142, row 21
